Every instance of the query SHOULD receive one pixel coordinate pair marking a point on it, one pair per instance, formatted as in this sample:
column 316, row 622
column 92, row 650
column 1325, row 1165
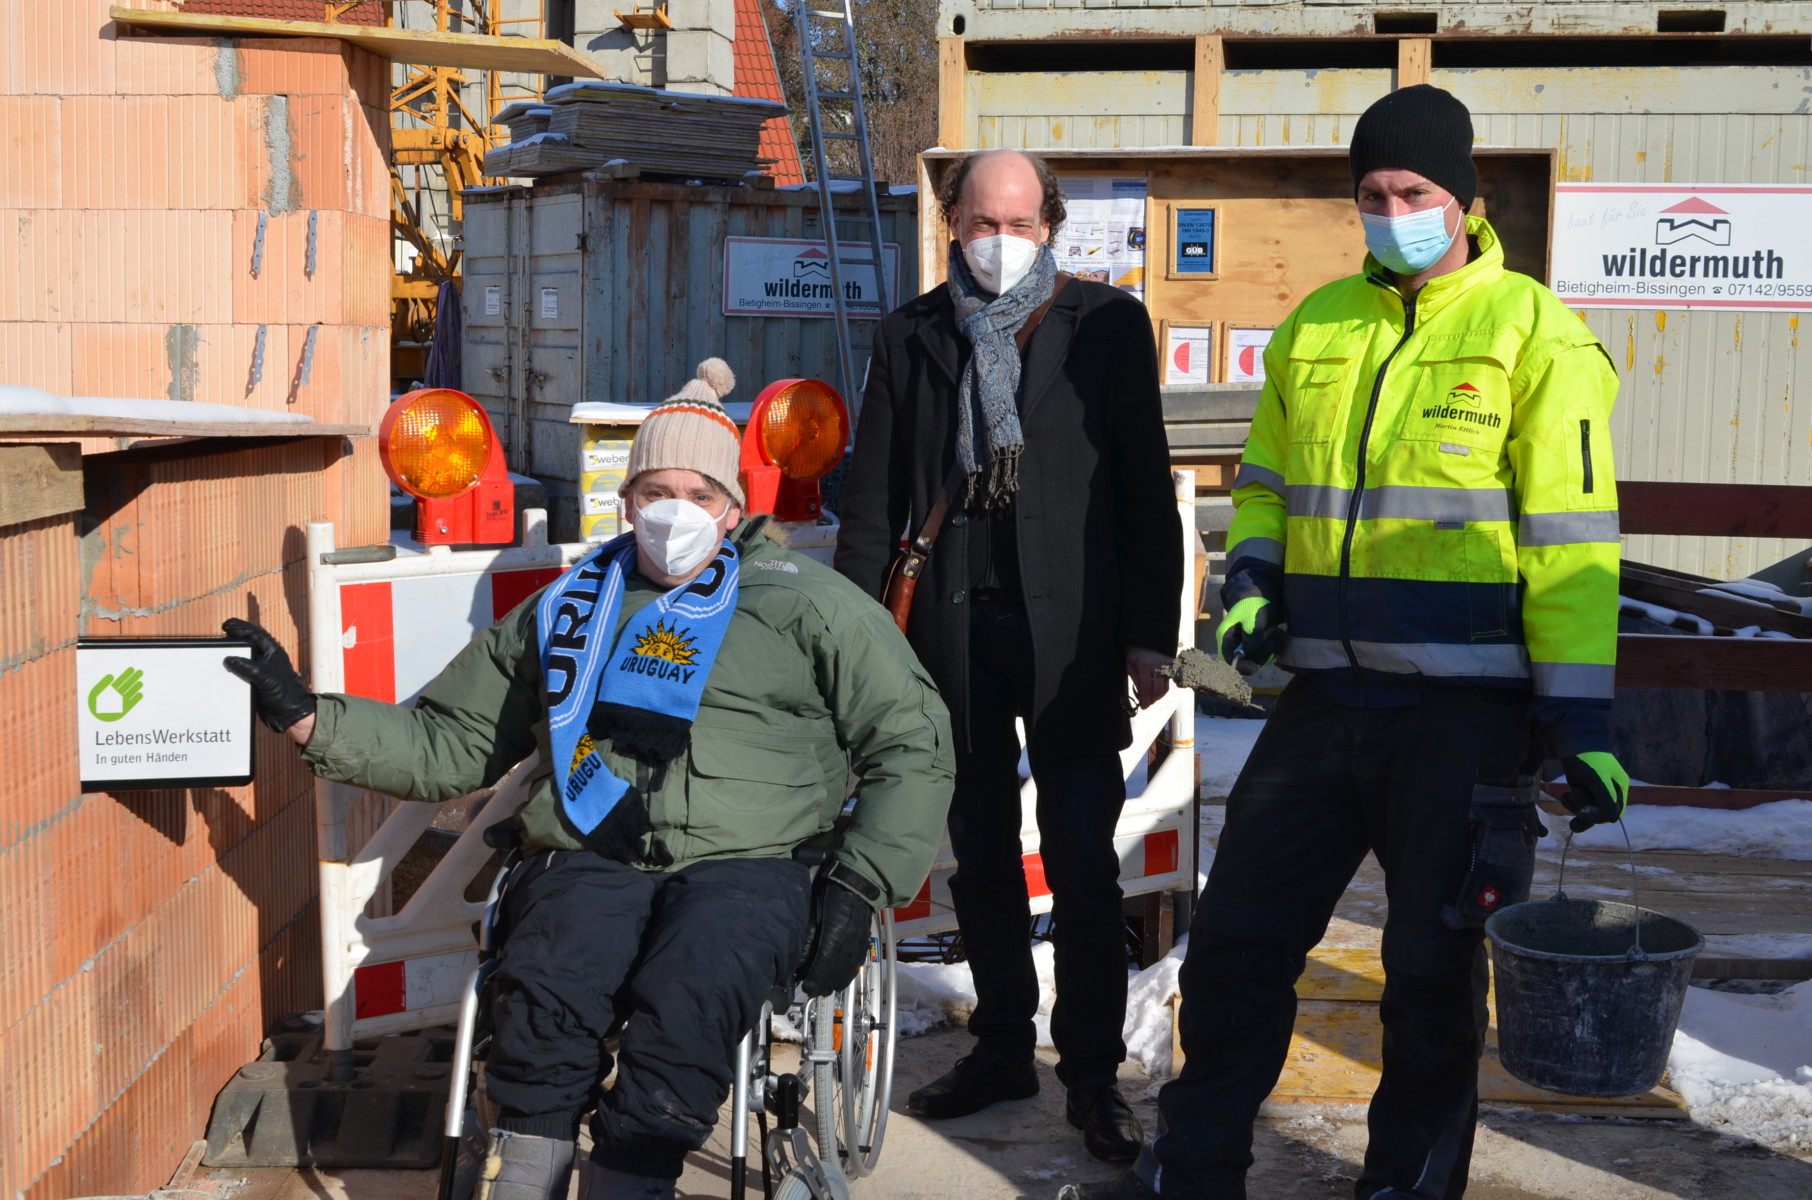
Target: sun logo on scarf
column 670, row 644
column 581, row 752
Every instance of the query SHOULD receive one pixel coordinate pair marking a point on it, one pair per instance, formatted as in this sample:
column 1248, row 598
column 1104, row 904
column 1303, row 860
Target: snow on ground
column 1782, row 829
column 931, row 994
column 1743, row 1063
column 1222, row 743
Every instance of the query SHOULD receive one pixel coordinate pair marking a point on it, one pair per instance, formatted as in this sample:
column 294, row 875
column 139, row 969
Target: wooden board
column 40, row 481
column 67, row 424
column 1728, row 799
column 1336, row 1051
column 1716, row 509
column 1719, row 663
column 428, row 48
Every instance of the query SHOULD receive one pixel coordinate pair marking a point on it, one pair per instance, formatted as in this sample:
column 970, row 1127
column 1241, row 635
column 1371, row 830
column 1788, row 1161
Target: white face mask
column 676, row 535
column 1000, row 262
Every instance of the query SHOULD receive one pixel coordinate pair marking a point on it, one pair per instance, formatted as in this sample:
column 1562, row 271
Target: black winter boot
column 521, row 1166
column 1110, row 1128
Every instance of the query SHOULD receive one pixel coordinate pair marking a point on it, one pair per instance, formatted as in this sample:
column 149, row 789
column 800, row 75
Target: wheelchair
column 846, row 1060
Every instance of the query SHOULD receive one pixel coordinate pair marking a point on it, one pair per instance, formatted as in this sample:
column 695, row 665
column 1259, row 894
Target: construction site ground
column 1305, row 1151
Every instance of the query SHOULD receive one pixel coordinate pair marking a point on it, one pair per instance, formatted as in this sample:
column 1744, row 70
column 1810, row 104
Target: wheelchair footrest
column 288, row 1109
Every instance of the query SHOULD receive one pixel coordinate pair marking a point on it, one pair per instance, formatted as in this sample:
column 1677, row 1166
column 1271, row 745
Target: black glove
column 1251, row 634
column 278, row 696
column 841, row 927
column 1597, row 789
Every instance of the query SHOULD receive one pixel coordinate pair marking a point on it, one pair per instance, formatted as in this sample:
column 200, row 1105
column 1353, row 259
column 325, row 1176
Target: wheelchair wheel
column 855, row 1086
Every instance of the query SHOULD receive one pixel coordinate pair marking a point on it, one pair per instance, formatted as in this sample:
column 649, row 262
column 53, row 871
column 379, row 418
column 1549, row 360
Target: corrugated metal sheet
column 637, row 273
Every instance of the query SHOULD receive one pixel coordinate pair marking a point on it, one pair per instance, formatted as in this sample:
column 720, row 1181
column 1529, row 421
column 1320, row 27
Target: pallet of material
column 583, row 125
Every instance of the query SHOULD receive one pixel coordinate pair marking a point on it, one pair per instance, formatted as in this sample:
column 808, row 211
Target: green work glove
column 1250, row 634
column 1597, row 788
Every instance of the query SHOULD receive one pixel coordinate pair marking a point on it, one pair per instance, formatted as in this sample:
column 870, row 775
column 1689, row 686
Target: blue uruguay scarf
column 648, row 683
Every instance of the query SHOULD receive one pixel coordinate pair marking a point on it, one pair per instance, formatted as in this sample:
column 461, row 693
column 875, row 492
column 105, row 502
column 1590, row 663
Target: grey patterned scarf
column 988, row 438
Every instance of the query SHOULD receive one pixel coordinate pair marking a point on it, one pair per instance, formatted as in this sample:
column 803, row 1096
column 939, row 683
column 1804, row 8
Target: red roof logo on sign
column 811, row 261
column 1693, row 218
column 1696, row 205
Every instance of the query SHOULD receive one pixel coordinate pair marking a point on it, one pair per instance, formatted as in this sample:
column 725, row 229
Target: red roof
column 757, row 78
column 371, row 12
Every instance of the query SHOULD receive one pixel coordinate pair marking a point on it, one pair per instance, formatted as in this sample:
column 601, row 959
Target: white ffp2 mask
column 676, row 535
column 1000, row 262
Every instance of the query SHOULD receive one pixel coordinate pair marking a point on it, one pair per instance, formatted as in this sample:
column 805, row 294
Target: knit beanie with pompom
column 690, row 431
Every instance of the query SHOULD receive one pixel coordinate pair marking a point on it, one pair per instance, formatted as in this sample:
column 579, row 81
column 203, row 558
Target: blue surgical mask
column 1410, row 243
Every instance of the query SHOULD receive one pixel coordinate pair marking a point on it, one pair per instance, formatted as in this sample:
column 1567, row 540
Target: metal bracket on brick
column 286, row 1109
column 314, row 226
column 258, row 243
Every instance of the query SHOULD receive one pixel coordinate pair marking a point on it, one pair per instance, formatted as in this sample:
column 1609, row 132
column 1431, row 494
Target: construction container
column 1624, row 94
column 600, row 289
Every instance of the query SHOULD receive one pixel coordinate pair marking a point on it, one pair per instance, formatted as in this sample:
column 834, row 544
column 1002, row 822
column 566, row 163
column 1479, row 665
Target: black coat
column 1100, row 541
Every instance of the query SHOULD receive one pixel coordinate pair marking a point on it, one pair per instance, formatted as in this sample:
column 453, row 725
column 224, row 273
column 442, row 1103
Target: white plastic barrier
column 384, row 627
column 1156, row 836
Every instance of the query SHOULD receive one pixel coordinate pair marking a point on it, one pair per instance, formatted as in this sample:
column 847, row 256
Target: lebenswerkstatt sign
column 1642, row 245
column 162, row 713
column 789, row 277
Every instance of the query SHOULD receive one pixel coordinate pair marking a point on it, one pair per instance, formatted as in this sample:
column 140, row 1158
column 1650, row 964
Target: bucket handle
column 1636, row 953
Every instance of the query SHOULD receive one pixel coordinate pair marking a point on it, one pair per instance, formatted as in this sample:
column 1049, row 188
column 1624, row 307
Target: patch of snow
column 1665, row 616
column 1741, row 1063
column 1760, row 591
column 1223, row 744
column 1148, row 998
column 16, row 400
column 1759, row 945
column 1781, row 829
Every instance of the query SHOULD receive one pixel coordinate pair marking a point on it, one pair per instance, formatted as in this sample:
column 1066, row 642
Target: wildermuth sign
column 1729, row 246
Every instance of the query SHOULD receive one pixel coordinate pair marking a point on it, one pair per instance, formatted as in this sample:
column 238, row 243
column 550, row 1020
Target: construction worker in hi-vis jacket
column 1426, row 536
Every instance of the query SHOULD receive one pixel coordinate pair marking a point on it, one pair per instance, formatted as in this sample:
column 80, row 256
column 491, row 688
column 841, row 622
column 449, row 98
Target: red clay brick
column 31, row 152
column 36, row 354
column 116, row 152
column 294, row 66
column 64, row 49
column 120, row 360
column 161, row 65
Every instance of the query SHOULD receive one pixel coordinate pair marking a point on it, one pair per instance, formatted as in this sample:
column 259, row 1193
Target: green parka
column 809, row 667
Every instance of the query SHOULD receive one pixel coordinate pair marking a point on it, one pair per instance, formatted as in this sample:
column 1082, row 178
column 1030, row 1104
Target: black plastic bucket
column 1577, row 1011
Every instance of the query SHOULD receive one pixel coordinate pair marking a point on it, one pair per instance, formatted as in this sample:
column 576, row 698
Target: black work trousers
column 685, row 959
column 1079, row 802
column 1324, row 784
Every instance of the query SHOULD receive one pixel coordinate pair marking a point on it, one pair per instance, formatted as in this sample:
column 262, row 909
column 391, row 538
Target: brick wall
column 155, row 936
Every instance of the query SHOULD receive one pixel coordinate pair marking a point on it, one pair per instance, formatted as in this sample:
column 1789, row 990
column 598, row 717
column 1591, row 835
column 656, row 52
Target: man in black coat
column 1056, row 577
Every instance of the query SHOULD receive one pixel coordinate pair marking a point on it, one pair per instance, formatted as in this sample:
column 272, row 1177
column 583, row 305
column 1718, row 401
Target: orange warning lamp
column 438, row 445
column 797, row 431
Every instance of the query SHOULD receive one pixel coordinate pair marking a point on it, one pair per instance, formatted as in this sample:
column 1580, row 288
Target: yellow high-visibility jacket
column 1428, row 490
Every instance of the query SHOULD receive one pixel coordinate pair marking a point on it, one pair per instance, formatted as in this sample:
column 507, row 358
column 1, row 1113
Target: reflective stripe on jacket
column 1433, row 476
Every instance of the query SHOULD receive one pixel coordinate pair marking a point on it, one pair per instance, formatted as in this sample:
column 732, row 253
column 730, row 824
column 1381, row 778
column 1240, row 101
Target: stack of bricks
column 154, row 937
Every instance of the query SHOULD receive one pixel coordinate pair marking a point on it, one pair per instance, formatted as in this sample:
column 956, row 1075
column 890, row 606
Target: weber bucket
column 1587, row 999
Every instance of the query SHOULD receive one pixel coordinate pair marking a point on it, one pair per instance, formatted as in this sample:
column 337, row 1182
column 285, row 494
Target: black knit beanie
column 1421, row 129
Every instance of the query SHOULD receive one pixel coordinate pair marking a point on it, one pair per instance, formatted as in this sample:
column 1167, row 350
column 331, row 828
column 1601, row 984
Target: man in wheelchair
column 692, row 690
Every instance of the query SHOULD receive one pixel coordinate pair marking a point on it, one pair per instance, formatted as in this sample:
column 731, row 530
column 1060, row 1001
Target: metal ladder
column 853, row 134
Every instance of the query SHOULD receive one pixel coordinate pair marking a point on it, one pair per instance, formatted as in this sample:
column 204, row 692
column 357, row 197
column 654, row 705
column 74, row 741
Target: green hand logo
column 116, row 695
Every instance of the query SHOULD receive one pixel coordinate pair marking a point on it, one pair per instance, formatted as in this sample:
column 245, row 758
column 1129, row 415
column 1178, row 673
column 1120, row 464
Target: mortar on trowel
column 1209, row 676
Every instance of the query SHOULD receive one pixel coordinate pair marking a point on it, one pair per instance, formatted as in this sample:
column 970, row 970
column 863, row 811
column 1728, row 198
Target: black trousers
column 1326, row 783
column 685, row 959
column 1079, row 802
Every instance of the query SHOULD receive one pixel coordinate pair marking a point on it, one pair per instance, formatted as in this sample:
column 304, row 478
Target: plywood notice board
column 1284, row 224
